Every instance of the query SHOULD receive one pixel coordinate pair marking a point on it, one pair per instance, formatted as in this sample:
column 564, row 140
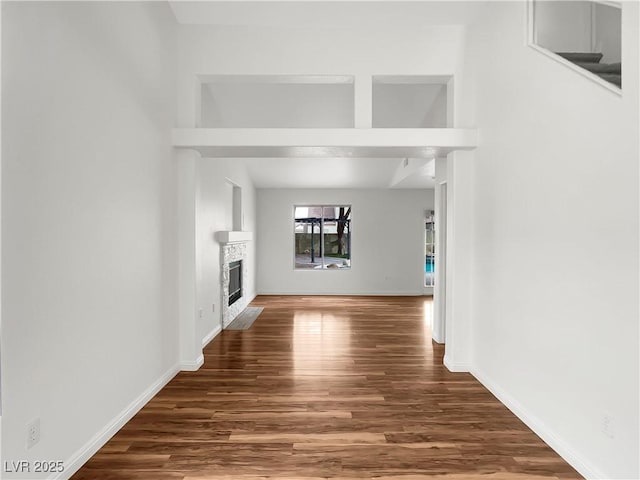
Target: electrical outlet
column 213, row 307
column 201, row 313
column 608, row 425
column 33, row 433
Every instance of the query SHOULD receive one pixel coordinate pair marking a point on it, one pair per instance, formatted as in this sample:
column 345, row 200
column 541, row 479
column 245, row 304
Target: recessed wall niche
column 410, row 101
column 277, row 101
column 235, row 215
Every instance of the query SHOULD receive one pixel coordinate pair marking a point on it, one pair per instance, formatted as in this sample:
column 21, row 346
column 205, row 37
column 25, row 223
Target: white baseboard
column 541, row 429
column 80, row 457
column 193, row 365
column 455, row 367
column 211, row 335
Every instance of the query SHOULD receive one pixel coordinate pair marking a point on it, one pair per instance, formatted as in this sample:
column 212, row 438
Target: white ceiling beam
column 460, row 138
column 325, row 142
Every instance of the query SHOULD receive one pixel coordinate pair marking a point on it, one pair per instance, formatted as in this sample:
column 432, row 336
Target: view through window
column 586, row 33
column 322, row 236
column 429, row 252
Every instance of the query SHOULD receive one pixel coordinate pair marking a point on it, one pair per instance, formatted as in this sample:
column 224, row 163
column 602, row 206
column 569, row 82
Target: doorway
column 440, row 259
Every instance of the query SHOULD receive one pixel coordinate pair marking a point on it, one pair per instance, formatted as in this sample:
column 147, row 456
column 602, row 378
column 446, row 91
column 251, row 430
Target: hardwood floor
column 326, row 387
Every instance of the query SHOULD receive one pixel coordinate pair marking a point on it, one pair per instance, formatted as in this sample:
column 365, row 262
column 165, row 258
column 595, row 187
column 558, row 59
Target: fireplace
column 235, row 281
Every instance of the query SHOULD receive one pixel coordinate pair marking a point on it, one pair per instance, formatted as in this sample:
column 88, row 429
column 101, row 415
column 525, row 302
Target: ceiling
column 332, row 173
column 328, row 13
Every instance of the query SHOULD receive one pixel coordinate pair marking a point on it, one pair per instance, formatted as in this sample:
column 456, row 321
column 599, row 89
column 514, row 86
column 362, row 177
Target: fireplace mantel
column 234, row 236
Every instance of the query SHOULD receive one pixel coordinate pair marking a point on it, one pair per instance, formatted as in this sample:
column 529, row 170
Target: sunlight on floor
column 428, row 312
column 427, row 316
column 320, row 341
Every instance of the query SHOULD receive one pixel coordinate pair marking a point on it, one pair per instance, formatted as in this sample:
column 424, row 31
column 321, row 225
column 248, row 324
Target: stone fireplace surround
column 232, row 252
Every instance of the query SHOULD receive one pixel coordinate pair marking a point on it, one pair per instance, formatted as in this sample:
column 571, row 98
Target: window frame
column 323, row 206
column 532, row 42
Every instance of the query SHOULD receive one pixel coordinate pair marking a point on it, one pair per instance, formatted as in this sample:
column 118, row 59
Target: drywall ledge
column 322, row 142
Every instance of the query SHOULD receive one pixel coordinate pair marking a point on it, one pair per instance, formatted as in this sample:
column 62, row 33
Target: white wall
column 277, row 105
column 387, row 242
column 459, row 261
column 555, row 296
column 607, row 32
column 440, row 217
column 360, row 50
column 187, row 163
column 563, row 25
column 215, row 214
column 409, row 105
column 88, row 219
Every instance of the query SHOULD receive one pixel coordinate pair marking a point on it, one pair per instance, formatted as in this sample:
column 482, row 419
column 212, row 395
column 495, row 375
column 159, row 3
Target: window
column 429, row 252
column 585, row 34
column 322, row 237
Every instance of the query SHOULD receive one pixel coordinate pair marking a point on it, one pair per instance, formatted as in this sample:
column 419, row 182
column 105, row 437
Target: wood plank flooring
column 326, row 387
